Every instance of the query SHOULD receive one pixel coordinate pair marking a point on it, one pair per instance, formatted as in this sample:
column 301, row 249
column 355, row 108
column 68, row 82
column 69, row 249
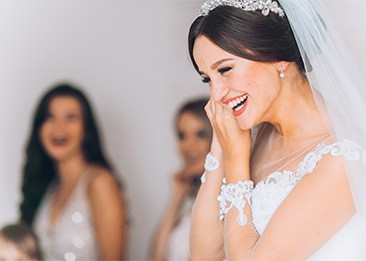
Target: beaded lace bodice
column 269, row 193
column 72, row 237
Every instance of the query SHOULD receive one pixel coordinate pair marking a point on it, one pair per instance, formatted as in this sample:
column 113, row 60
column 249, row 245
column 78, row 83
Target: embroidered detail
column 268, row 194
column 211, row 162
column 235, row 195
column 347, row 149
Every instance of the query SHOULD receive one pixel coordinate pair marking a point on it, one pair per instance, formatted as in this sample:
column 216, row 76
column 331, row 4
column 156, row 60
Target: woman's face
column 62, row 132
column 249, row 88
column 194, row 140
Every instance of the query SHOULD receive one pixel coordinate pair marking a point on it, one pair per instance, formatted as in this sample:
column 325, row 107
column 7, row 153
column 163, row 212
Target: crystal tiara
column 265, row 6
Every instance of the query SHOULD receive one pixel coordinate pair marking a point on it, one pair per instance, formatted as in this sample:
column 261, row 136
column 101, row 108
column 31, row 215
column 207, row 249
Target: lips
column 238, row 104
column 192, row 159
column 59, row 140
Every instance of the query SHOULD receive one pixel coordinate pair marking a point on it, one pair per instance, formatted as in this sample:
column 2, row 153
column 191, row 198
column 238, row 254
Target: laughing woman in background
column 71, row 196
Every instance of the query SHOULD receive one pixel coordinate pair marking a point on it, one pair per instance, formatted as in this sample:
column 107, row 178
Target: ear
column 282, row 66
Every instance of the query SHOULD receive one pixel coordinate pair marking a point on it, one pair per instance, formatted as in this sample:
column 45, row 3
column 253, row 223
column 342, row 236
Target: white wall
column 131, row 58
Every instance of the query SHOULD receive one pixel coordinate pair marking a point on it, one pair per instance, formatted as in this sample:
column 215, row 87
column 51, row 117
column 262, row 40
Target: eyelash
column 205, row 80
column 221, row 71
column 201, row 134
column 224, row 70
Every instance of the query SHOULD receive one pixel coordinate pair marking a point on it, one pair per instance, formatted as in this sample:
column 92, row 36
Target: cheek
column 238, row 82
column 180, row 147
column 43, row 132
column 244, row 80
column 206, row 145
column 79, row 132
column 203, row 145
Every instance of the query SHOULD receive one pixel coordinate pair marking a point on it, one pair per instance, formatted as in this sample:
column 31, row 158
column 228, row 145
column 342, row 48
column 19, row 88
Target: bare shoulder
column 103, row 181
column 334, row 160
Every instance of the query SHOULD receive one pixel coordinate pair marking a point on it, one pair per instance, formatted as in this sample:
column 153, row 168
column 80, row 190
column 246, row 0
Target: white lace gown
column 349, row 243
column 72, row 237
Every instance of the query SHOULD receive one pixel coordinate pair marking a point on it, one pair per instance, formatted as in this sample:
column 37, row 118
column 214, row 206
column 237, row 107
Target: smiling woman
column 293, row 153
column 70, row 193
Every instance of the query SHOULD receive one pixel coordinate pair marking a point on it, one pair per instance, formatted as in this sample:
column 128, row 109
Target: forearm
column 206, row 239
column 239, row 240
column 240, row 236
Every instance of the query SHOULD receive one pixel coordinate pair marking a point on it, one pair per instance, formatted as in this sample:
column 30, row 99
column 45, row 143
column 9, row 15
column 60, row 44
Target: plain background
column 131, row 58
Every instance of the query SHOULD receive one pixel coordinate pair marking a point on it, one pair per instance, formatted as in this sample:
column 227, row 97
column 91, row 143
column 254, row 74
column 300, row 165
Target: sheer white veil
column 336, row 82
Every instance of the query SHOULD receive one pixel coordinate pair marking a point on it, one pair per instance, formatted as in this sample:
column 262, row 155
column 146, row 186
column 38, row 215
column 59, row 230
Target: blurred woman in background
column 71, row 195
column 194, row 133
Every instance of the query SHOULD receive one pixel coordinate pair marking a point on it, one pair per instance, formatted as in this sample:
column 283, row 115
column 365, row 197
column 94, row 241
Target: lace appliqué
column 347, row 149
column 269, row 193
column 211, row 164
column 235, row 195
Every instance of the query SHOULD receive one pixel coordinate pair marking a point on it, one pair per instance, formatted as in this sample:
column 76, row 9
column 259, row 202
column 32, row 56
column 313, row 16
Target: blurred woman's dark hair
column 196, row 107
column 39, row 169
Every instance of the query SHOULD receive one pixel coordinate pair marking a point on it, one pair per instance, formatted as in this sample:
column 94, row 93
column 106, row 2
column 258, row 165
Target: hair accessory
column 282, row 73
column 235, row 195
column 211, row 163
column 266, row 6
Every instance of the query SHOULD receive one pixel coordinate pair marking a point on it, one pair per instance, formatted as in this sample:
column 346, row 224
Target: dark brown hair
column 196, row 107
column 249, row 35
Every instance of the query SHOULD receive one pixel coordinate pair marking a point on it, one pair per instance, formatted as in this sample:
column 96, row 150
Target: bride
column 285, row 175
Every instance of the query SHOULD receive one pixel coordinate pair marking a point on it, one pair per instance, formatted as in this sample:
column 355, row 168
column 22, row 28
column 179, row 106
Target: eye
column 72, row 117
column 224, row 70
column 205, row 79
column 180, row 136
column 202, row 134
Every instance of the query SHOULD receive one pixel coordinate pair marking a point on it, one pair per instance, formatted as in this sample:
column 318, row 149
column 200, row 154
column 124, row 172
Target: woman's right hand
column 231, row 143
column 216, row 149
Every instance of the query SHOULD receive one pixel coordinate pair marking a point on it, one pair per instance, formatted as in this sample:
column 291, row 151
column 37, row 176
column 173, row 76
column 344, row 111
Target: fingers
column 219, row 114
column 209, row 110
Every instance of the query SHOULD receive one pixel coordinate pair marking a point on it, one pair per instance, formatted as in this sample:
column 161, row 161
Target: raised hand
column 230, row 142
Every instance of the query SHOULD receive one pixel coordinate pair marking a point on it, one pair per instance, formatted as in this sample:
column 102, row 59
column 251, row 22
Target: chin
column 243, row 125
column 58, row 155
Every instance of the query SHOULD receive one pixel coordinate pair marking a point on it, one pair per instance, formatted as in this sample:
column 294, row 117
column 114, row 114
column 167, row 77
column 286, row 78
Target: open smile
column 59, row 140
column 238, row 104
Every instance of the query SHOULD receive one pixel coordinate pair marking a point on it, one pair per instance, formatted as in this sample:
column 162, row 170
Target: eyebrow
column 216, row 64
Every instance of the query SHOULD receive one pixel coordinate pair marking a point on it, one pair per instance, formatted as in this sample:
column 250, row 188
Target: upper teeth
column 237, row 101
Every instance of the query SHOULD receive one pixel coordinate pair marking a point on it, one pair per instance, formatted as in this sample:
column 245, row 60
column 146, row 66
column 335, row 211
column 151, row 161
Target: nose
column 58, row 124
column 218, row 90
column 188, row 143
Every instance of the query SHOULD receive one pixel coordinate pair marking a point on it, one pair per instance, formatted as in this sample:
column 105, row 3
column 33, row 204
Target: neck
column 296, row 112
column 71, row 169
